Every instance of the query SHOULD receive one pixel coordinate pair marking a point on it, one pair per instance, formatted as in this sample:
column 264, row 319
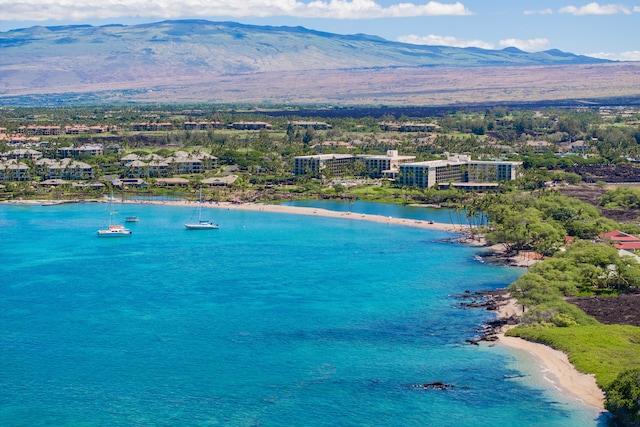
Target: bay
column 271, row 320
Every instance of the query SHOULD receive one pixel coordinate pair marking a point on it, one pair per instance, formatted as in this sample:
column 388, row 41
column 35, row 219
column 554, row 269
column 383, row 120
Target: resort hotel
column 458, row 171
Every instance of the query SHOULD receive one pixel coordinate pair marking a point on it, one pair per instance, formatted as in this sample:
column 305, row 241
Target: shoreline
column 555, row 367
column 299, row 210
column 564, row 375
column 274, row 208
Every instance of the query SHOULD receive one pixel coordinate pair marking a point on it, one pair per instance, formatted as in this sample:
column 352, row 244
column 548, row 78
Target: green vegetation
column 623, row 397
column 525, row 215
column 264, row 158
column 585, row 268
column 621, row 198
column 607, row 351
column 538, row 221
column 604, row 350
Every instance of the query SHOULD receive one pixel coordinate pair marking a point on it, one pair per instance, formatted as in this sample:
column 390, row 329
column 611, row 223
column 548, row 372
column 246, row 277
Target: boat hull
column 114, row 231
column 112, row 234
column 202, row 226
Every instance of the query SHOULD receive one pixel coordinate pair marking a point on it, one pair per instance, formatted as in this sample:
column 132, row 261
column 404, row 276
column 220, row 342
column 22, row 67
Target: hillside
column 193, row 59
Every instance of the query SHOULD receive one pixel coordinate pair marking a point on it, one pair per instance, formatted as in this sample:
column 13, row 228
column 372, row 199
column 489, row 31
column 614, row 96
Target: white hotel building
column 375, row 166
column 458, row 171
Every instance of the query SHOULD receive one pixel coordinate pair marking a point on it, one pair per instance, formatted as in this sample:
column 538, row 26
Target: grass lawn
column 603, row 350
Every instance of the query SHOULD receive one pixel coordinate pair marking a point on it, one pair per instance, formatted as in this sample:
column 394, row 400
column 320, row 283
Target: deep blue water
column 272, row 320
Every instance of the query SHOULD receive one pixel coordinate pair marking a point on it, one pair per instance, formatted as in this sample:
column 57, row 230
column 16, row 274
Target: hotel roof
column 326, row 156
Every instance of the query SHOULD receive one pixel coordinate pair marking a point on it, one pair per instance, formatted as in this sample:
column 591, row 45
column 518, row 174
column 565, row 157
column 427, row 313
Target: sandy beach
column 559, row 370
column 554, row 364
column 263, row 207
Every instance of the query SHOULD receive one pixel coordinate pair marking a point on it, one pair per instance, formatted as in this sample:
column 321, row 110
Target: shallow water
column 446, row 216
column 273, row 319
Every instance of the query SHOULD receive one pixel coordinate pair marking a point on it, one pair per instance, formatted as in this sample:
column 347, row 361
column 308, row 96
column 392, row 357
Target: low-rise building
column 14, row 170
column 88, row 149
column 196, row 162
column 408, row 127
column 151, row 127
column 250, row 125
column 40, row 130
column 201, row 125
column 64, row 169
column 78, row 129
column 21, row 153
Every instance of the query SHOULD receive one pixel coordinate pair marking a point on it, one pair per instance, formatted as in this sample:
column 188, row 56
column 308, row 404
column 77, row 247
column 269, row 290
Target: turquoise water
column 272, row 320
column 446, row 216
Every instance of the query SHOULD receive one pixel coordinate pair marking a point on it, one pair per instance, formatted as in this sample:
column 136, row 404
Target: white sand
column 263, row 207
column 559, row 371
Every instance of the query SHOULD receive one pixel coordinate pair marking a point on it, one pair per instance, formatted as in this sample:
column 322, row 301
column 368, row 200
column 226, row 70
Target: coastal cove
column 309, row 307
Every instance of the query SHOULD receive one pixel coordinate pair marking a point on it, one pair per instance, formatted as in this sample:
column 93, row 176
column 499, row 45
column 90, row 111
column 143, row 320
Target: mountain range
column 226, row 62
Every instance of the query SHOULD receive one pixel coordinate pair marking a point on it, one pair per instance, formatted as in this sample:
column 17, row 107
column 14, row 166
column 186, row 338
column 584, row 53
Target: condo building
column 315, row 165
column 458, row 171
column 383, row 166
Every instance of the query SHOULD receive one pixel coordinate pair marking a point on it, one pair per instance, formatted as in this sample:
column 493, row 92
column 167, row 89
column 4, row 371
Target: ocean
column 272, row 320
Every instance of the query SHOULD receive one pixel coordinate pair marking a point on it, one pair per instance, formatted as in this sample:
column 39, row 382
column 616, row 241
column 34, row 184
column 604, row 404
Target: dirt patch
column 621, row 310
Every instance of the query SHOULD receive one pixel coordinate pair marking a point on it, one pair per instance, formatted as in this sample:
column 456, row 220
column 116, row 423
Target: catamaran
column 114, row 230
column 202, row 224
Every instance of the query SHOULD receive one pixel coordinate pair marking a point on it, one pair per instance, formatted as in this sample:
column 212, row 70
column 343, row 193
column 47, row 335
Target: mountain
column 226, row 47
column 186, row 53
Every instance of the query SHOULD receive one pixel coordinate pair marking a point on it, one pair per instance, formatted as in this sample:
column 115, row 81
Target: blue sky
column 606, row 30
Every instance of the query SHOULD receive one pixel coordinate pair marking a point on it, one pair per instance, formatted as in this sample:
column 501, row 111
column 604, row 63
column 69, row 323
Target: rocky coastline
column 491, row 300
column 554, row 364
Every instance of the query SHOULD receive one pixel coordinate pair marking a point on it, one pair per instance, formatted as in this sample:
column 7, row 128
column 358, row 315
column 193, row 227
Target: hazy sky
column 606, row 30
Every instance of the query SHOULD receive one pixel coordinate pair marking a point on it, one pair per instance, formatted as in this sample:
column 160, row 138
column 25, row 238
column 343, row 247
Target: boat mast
column 200, row 207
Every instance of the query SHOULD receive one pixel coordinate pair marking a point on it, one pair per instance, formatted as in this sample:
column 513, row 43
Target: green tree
column 623, row 398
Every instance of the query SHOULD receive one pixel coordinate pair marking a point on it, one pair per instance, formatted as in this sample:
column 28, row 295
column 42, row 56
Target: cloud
column 41, row 10
column 531, row 45
column 434, row 40
column 633, row 55
column 597, row 9
column 539, row 12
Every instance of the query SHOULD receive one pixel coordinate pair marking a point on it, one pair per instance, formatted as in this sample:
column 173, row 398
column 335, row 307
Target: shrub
column 623, row 398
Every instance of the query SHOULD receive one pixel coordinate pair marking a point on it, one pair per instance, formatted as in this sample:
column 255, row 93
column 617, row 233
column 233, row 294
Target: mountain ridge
column 252, row 47
column 174, row 58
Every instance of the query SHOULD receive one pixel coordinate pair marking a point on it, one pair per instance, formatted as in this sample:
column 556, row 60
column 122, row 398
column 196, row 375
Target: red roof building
column 619, row 236
column 628, row 245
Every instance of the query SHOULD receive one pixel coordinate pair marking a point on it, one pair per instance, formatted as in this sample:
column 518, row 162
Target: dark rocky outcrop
column 489, row 300
column 437, row 385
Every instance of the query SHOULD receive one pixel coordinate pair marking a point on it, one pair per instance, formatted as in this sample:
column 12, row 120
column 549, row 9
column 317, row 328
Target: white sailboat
column 202, row 224
column 114, row 230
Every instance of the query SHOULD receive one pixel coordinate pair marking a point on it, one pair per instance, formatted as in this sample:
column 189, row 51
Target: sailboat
column 202, row 224
column 114, row 230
